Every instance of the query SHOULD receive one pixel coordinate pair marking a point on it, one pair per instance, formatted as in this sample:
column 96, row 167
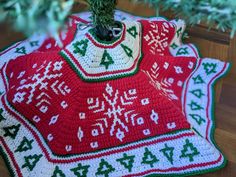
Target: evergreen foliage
column 221, row 13
column 30, row 16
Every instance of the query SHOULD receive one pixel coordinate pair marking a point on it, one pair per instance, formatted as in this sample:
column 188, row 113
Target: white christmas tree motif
column 157, row 40
column 40, row 81
column 113, row 105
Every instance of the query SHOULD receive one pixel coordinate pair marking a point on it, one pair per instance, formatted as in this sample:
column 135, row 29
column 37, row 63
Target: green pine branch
column 103, row 17
column 31, row 16
column 221, row 13
column 103, row 12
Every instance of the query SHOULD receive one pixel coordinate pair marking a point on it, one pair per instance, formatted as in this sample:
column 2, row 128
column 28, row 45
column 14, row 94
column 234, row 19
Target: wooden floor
column 211, row 44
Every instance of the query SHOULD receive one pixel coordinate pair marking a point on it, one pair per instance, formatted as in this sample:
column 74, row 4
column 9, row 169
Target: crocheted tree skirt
column 141, row 104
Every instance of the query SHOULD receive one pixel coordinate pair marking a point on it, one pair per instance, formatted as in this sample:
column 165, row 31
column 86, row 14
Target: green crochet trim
column 10, row 45
column 190, row 173
column 213, row 106
column 100, row 79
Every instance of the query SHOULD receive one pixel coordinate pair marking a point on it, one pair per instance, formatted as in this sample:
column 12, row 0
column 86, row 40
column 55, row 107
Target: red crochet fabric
column 60, row 100
column 97, row 108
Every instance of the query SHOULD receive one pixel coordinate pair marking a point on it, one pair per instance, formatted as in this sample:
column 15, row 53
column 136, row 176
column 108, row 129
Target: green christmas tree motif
column 80, row 47
column 58, row 173
column 149, row 158
column 1, row 116
column 189, row 151
column 133, row 31
column 106, row 59
column 198, row 80
column 168, row 153
column 174, row 46
column 25, row 145
column 210, row 68
column 80, row 170
column 197, row 118
column 11, row 131
column 34, row 43
column 198, row 93
column 127, row 50
column 127, row 161
column 182, row 51
column 194, row 106
column 178, row 32
column 31, row 161
column 21, row 50
column 104, row 168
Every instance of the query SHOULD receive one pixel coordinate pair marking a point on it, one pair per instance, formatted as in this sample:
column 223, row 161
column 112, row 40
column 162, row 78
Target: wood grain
column 212, row 44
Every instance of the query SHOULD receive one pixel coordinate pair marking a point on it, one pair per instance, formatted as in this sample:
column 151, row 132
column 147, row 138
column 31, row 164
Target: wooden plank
column 201, row 31
column 232, row 57
column 3, row 169
column 225, row 118
column 229, row 85
column 8, row 36
column 227, row 143
column 228, row 96
column 141, row 9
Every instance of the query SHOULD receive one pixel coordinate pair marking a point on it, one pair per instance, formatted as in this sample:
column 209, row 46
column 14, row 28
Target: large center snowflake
column 113, row 105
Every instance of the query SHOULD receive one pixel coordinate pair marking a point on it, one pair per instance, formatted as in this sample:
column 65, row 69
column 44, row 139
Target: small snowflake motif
column 19, row 97
column 154, row 117
column 57, row 66
column 120, row 135
column 109, row 90
column 178, row 70
column 80, row 134
column 53, row 119
column 21, row 74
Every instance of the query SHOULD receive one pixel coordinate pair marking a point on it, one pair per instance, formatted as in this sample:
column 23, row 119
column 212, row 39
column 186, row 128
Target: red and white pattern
column 57, row 119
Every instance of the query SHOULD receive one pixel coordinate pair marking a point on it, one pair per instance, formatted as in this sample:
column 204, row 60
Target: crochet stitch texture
column 135, row 106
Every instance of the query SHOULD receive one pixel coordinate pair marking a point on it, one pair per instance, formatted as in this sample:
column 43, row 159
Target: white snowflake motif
column 157, row 39
column 113, row 110
column 29, row 86
column 163, row 85
column 178, row 70
column 57, row 66
column 19, row 97
column 39, row 80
